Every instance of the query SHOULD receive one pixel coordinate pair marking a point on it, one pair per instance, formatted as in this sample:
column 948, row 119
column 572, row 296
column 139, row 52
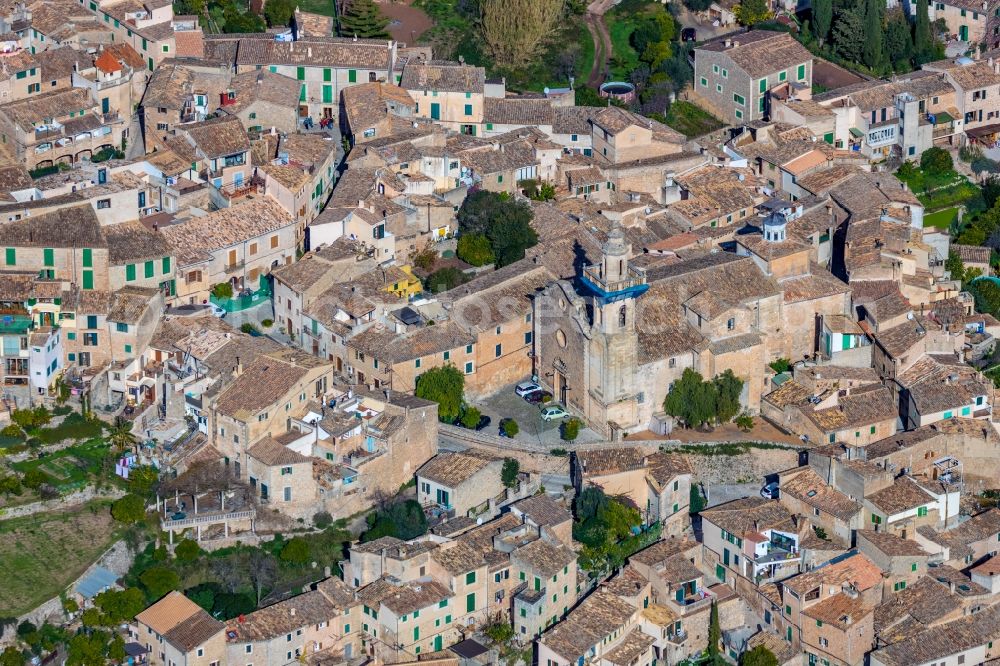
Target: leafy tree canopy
column 129, row 509
column 508, row 474
column 445, row 386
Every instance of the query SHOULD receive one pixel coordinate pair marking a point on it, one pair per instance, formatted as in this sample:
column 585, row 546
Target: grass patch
column 74, row 426
column 690, row 120
column 45, row 552
column 72, row 467
column 324, row 7
column 729, row 448
column 942, row 219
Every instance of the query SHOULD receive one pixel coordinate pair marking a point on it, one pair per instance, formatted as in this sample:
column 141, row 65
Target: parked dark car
column 537, row 397
column 484, row 422
column 689, row 35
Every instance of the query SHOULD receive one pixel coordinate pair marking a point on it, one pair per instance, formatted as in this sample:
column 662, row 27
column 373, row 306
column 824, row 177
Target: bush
column 569, row 429
column 781, row 365
column 510, row 427
column 187, row 550
column 222, row 290
column 35, row 479
column 475, row 249
column 443, row 385
column 322, row 520
column 470, row 417
column 936, row 161
column 561, row 453
column 13, row 431
column 129, row 509
column 508, row 475
column 249, row 328
column 296, row 551
column 444, row 279
column 267, row 323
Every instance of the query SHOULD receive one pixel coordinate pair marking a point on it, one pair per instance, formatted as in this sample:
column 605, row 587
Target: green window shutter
column 71, row 335
column 130, row 272
column 10, row 256
column 166, row 265
column 470, row 602
column 149, row 269
column 88, row 258
column 49, row 256
column 801, row 73
column 328, row 94
column 88, row 279
column 352, row 76
column 468, row 109
column 470, row 578
column 327, row 74
column 763, row 85
column 128, row 349
column 274, row 69
column 302, row 93
column 300, row 73
column 144, row 44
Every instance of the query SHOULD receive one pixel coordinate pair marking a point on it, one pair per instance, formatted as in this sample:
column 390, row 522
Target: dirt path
column 602, row 41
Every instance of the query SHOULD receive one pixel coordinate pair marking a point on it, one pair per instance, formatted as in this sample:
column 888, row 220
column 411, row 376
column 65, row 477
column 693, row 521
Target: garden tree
column 70, row 605
column 116, row 650
column 443, row 385
column 589, row 503
column 475, row 249
column 936, row 161
column 822, row 18
column 727, row 401
column 203, row 595
column 499, row 630
column 263, row 571
column 322, row 519
column 691, row 399
column 510, row 237
column 87, row 649
column 569, row 430
column 744, row 422
column 714, row 635
column 513, row 29
column 470, row 417
column 24, row 628
column 752, row 12
column 142, row 480
column 444, row 279
column 759, row 656
column 187, row 550
column 873, row 50
column 296, row 551
column 11, row 656
column 503, row 220
column 10, row 485
column 119, row 605
column 403, row 520
column 898, row 42
column 129, row 509
column 698, row 5
column 279, row 12
column 991, row 190
column 508, row 474
column 120, row 435
column 34, row 478
column 510, row 428
column 987, row 296
column 923, row 37
column 158, row 581
column 848, row 35
column 361, row 18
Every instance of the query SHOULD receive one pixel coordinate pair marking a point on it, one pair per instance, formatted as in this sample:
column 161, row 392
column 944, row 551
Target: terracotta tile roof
column 385, row 345
column 405, row 598
column 936, row 383
column 855, row 569
column 132, row 242
column 967, row 75
column 663, row 467
column 264, row 86
column 634, row 645
column 443, row 76
column 597, row 616
column 840, row 610
column 610, row 461
column 544, row 557
column 542, row 510
column 71, row 227
column 898, row 340
column 972, row 253
column 289, row 615
column 190, row 43
column 903, row 495
column 924, row 602
column 985, row 525
column 515, row 111
column 129, row 304
column 218, row 137
column 451, row 469
column 514, row 286
column 943, row 641
column 750, row 514
column 365, row 54
column 809, row 488
column 892, row 545
column 194, row 239
column 760, row 52
column 194, row 631
column 272, row 453
column 168, row 612
column 264, row 382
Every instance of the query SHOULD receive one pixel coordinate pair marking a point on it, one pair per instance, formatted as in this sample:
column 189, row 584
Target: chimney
column 728, row 42
column 238, row 370
column 291, row 611
column 309, row 53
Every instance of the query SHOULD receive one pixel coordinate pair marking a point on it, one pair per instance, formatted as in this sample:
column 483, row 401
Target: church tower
column 614, row 287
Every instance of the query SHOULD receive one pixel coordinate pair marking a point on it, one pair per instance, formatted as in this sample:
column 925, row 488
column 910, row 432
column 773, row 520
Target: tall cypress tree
column 873, row 52
column 923, row 38
column 822, row 15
